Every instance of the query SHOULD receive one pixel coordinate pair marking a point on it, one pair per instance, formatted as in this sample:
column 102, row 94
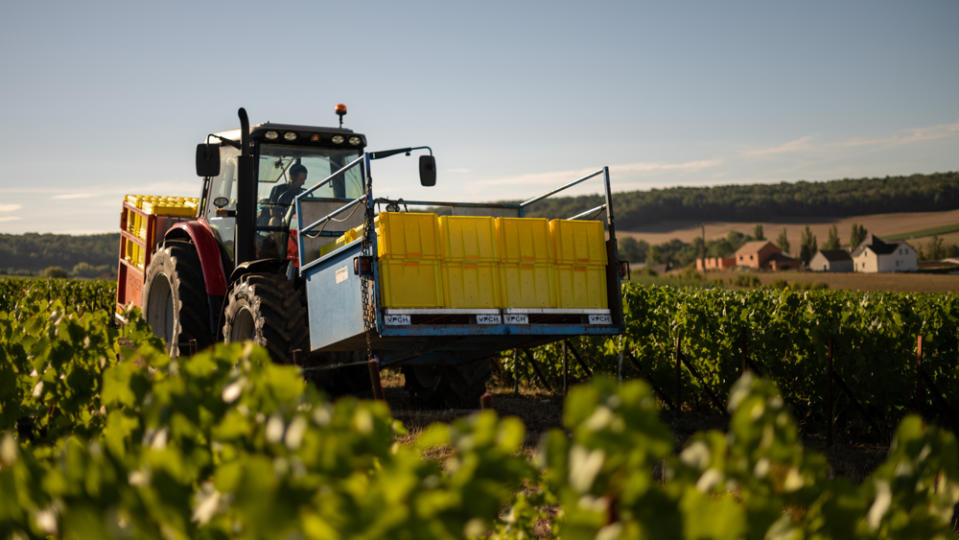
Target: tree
column 783, row 241
column 54, row 272
column 807, row 246
column 758, row 232
column 857, row 235
column 633, row 250
column 833, row 241
column 935, row 250
column 652, row 255
column 84, row 270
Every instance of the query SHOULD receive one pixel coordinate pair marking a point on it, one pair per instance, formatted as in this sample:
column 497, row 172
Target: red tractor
column 288, row 247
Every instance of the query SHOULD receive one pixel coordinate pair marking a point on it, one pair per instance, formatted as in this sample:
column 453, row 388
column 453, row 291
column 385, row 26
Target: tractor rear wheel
column 453, row 386
column 269, row 310
column 174, row 299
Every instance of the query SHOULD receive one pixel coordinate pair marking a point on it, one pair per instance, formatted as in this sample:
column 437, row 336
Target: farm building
column 874, row 255
column 715, row 263
column 764, row 255
column 831, row 260
column 778, row 262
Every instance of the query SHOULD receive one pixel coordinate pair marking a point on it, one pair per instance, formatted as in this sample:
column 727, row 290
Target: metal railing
column 364, row 163
column 301, row 231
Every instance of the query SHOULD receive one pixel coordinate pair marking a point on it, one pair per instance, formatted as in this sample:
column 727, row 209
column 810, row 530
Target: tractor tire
column 175, row 301
column 269, row 310
column 450, row 386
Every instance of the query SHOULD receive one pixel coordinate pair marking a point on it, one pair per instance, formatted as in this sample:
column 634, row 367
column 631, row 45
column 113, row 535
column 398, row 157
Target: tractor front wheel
column 269, row 310
column 175, row 300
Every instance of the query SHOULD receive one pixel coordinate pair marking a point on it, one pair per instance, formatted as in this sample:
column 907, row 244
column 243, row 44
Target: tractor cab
column 288, row 160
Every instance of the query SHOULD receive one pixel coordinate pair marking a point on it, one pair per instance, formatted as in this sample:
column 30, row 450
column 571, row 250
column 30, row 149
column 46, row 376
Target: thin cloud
column 459, row 170
column 909, row 136
column 10, row 207
column 801, row 144
column 4, row 219
column 630, row 170
column 67, row 196
column 809, row 144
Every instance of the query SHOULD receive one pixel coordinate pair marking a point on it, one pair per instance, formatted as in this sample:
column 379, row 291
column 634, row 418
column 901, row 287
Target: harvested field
column 879, row 224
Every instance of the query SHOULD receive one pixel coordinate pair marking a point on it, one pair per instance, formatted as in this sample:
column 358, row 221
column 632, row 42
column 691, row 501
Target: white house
column 831, row 260
column 874, row 255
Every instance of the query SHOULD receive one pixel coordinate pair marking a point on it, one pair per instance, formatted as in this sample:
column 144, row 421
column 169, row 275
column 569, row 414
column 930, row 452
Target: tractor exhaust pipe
column 245, row 230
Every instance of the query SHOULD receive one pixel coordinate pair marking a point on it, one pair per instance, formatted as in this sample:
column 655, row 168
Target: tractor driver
column 285, row 193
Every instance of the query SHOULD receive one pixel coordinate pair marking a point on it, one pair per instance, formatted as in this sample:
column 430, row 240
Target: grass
column 922, row 233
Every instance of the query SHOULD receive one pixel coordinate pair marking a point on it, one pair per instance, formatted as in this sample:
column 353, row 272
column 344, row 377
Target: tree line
column 764, row 202
column 96, row 255
column 59, row 255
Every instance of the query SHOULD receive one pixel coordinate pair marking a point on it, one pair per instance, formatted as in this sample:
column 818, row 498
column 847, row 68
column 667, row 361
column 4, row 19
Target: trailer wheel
column 466, row 383
column 269, row 310
column 353, row 378
column 174, row 298
column 424, row 384
column 454, row 386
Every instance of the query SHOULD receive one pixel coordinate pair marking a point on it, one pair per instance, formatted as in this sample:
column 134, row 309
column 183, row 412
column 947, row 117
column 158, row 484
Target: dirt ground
column 541, row 411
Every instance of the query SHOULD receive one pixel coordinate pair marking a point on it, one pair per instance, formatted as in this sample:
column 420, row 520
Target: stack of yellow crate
column 580, row 263
column 526, row 263
column 470, row 262
column 410, row 255
column 152, row 205
column 475, row 262
column 342, row 240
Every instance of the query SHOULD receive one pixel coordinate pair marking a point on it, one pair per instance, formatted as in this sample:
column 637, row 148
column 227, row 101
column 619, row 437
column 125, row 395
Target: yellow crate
column 468, row 238
column 527, row 285
column 407, row 283
column 471, row 285
column 135, row 200
column 134, row 253
column 405, row 235
column 170, row 206
column 581, row 286
column 345, row 238
column 578, row 241
column 524, row 239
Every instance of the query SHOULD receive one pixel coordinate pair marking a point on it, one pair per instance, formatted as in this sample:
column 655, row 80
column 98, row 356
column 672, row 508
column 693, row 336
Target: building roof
column 875, row 244
column 780, row 257
column 754, row 247
column 835, row 255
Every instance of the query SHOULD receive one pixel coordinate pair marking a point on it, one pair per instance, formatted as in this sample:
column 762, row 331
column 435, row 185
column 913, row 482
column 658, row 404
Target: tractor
column 287, row 246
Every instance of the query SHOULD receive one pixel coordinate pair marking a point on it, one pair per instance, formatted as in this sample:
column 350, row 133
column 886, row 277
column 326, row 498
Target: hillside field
column 878, row 224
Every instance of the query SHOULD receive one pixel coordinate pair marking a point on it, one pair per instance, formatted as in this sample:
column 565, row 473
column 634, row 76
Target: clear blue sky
column 98, row 99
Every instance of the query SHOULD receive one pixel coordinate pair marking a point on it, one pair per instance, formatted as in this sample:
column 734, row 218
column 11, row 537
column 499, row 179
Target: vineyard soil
column 541, row 411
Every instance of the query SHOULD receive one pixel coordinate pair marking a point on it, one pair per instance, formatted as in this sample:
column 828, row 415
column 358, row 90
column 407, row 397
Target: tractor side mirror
column 207, row 160
column 427, row 171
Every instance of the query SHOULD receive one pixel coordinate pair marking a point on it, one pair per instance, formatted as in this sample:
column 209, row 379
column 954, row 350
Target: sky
column 99, row 99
